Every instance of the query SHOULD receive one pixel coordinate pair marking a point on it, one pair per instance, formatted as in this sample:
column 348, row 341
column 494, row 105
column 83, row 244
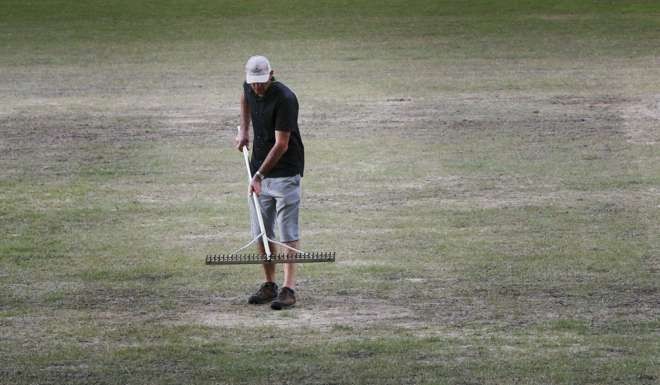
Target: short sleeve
column 286, row 118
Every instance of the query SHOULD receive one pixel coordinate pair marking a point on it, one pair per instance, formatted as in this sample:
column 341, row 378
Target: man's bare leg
column 290, row 268
column 269, row 268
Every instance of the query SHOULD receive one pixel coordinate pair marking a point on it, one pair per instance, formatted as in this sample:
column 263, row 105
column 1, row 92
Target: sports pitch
column 487, row 172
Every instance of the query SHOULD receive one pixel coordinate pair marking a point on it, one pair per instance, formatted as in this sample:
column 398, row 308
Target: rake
column 293, row 256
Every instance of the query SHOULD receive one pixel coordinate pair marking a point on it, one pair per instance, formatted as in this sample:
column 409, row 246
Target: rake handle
column 257, row 206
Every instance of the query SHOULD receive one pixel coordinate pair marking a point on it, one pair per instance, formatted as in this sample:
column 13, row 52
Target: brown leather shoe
column 266, row 293
column 287, row 298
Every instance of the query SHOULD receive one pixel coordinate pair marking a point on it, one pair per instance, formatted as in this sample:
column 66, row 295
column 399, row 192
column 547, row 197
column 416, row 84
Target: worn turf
column 486, row 172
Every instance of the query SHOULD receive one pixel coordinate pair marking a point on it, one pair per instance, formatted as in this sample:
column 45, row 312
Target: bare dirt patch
column 642, row 120
column 353, row 312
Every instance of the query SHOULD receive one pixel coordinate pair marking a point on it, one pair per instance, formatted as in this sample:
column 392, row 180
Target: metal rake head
column 244, row 259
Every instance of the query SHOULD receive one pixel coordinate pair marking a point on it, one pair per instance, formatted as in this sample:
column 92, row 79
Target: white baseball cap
column 257, row 70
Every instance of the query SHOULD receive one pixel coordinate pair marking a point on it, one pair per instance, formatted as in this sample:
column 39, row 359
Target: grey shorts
column 280, row 201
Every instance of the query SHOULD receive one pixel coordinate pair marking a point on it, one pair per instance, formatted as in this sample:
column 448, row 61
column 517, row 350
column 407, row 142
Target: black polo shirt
column 277, row 110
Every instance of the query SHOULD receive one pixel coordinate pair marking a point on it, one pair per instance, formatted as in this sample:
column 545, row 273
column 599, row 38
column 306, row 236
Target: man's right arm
column 243, row 137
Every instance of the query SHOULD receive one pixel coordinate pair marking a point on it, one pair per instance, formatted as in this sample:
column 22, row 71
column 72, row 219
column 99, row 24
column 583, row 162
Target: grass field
column 487, row 172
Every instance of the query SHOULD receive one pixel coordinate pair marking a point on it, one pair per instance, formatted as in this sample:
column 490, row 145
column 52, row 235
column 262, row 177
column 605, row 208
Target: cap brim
column 256, row 78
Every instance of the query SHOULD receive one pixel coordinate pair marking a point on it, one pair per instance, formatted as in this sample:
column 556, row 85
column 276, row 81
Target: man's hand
column 255, row 186
column 241, row 140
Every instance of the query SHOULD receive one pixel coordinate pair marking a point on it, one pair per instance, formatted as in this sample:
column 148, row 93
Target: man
column 277, row 165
